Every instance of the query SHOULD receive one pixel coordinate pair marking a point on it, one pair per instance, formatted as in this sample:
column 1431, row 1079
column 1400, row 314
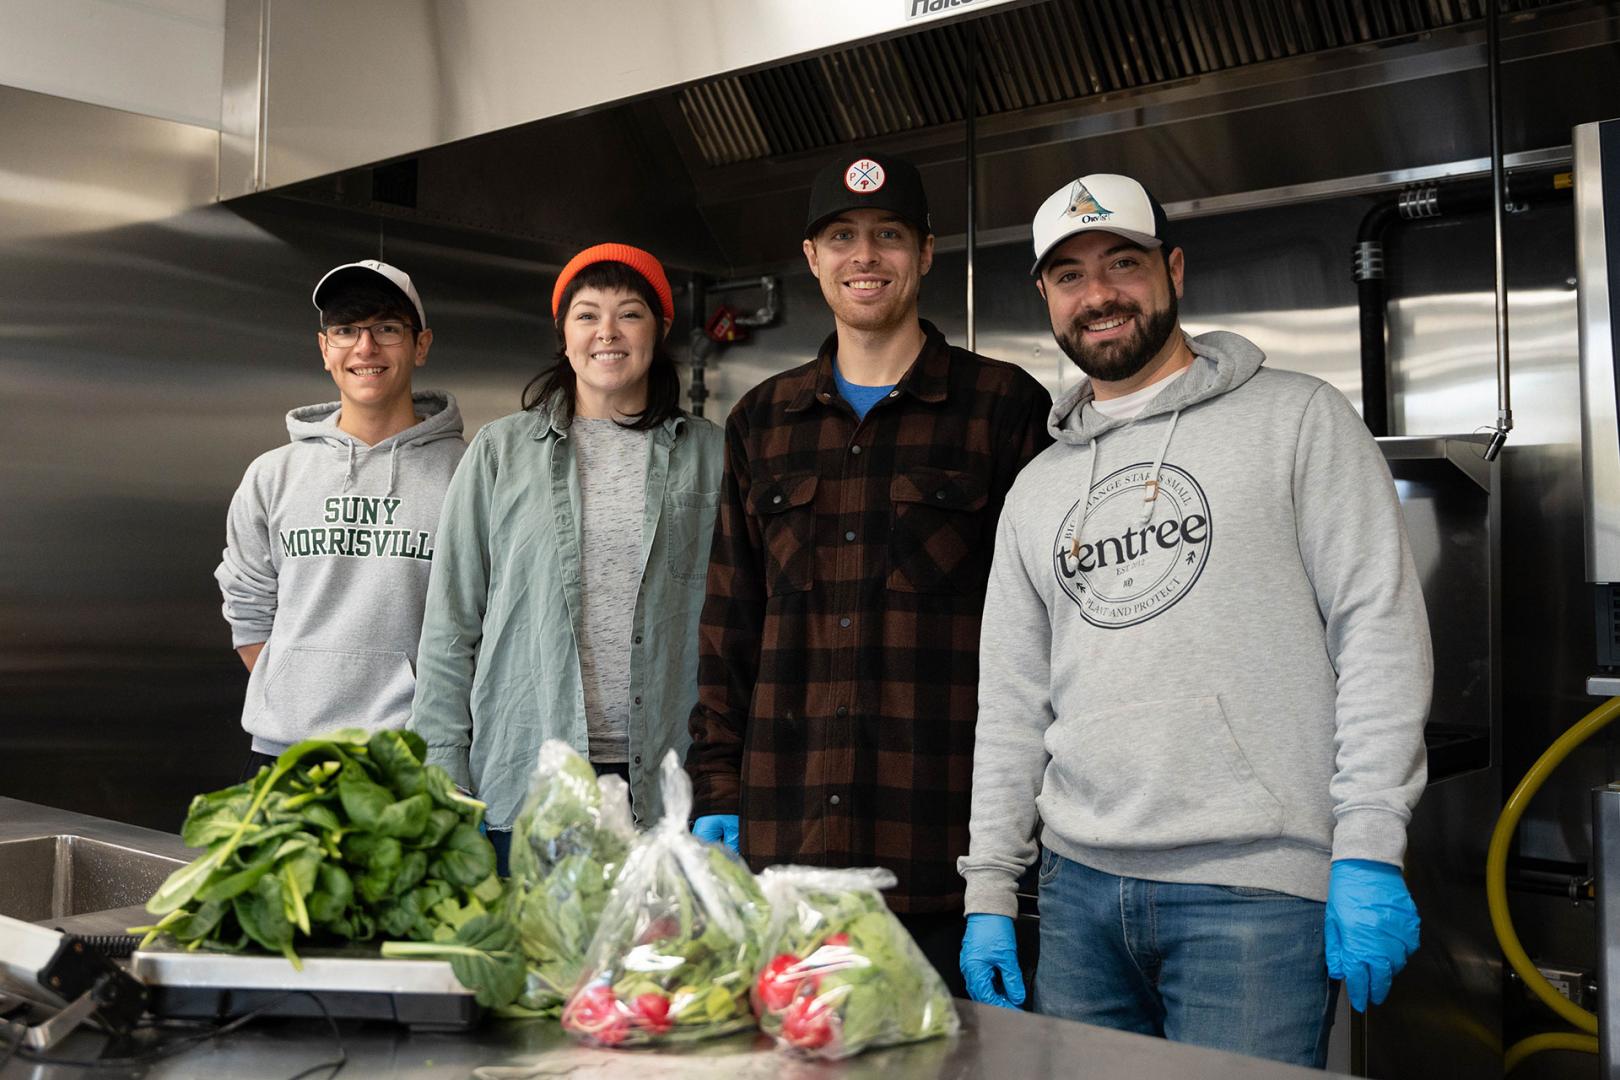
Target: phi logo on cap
column 863, row 177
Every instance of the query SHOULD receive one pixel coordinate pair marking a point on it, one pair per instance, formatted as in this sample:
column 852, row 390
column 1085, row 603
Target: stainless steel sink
column 53, row 877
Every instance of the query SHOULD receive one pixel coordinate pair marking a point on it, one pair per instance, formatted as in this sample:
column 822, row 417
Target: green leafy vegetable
column 844, row 975
column 568, row 846
column 483, row 953
column 679, row 940
column 344, row 836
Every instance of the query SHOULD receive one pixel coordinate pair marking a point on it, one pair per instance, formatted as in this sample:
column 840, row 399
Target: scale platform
column 352, row 985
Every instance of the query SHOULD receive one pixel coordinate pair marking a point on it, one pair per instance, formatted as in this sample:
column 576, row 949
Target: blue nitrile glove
column 989, row 947
column 1372, row 927
column 717, row 829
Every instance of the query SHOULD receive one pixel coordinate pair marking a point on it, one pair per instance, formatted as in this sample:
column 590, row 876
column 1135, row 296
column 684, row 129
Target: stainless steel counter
column 994, row 1043
column 24, row 820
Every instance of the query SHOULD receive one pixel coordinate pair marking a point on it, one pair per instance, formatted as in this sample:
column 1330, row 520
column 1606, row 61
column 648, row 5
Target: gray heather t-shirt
column 612, row 463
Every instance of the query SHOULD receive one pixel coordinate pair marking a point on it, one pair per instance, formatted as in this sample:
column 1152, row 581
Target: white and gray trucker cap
column 1106, row 202
column 370, row 271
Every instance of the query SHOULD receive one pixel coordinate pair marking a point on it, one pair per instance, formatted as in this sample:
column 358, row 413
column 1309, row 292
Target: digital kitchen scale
column 352, row 984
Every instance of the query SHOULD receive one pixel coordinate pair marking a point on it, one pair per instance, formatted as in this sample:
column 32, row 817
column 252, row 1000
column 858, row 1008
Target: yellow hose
column 1535, row 1044
column 1496, row 877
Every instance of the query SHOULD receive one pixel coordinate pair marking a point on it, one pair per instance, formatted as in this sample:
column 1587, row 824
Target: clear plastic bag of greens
column 568, row 845
column 843, row 974
column 676, row 951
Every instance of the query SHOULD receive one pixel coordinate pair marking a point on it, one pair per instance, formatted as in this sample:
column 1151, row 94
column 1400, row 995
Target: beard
column 1114, row 361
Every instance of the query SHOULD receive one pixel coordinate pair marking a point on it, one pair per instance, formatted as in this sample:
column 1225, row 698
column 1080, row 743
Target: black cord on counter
column 14, row 1046
column 156, row 1053
column 187, row 1042
column 337, row 1063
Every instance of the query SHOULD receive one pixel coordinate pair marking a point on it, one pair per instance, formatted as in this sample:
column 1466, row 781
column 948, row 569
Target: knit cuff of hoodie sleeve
column 990, row 892
column 1379, row 835
column 248, row 634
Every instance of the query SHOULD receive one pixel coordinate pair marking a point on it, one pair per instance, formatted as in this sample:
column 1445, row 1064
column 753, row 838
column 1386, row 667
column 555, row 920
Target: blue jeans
column 501, row 841
column 1230, row 968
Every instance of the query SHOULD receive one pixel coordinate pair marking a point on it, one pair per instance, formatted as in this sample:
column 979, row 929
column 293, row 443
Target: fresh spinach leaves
column 346, row 836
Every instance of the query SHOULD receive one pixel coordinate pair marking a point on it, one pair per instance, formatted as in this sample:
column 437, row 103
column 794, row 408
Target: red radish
column 806, row 1026
column 652, row 1012
column 595, row 1013
column 778, row 983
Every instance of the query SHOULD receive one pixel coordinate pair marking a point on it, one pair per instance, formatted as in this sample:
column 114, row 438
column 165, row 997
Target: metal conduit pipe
column 1369, row 259
column 1504, row 399
column 970, row 108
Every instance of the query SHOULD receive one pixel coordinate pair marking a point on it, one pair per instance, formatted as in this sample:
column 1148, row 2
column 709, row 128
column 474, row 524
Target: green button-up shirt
column 498, row 667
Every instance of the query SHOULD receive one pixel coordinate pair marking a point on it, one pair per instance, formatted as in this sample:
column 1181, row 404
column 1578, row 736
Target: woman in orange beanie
column 572, row 553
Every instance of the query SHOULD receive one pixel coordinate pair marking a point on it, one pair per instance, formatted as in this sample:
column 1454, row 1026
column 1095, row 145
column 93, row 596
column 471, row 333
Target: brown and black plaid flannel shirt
column 838, row 665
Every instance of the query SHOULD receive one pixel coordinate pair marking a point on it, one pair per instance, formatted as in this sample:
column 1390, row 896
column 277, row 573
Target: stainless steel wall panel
column 1600, row 362
column 149, row 349
column 117, row 169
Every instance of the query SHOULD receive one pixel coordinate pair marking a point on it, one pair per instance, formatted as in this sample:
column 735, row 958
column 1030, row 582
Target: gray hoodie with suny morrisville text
column 1224, row 683
column 328, row 547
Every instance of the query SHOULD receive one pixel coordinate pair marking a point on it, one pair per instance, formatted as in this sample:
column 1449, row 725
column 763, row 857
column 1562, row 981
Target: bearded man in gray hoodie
column 1205, row 671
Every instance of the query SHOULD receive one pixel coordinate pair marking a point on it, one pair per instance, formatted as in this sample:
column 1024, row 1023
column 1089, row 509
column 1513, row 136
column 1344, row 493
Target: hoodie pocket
column 688, row 524
column 314, row 690
column 1155, row 775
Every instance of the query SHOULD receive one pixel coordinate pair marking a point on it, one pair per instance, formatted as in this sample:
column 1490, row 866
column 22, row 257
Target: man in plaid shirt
column 838, row 663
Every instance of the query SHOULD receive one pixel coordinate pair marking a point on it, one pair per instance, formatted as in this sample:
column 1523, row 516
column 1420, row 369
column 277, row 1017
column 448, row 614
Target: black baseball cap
column 868, row 182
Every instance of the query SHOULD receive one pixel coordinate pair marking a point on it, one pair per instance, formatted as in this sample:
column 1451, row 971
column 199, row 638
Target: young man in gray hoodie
column 1205, row 670
column 330, row 538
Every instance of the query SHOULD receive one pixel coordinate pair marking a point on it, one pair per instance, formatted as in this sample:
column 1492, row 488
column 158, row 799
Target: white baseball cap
column 1106, row 202
column 368, row 271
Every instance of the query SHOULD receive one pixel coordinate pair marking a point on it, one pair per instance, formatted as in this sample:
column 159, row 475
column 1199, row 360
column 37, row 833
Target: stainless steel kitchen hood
column 1203, row 99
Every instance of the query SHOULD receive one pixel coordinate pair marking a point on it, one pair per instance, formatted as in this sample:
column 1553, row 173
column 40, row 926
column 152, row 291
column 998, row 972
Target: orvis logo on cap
column 1084, row 205
column 863, row 177
column 1121, row 572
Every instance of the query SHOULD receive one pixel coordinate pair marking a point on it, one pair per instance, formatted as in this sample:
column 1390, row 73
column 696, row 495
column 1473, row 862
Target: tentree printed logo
column 1121, row 572
column 1084, row 205
column 863, row 177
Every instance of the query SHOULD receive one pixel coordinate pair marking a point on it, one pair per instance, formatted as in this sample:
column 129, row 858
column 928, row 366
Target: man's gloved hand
column 989, row 947
column 1372, row 927
column 718, row 829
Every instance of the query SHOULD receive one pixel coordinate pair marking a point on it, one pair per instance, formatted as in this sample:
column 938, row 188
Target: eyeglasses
column 347, row 337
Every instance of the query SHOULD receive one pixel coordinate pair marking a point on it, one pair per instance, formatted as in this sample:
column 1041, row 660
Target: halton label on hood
column 1121, row 570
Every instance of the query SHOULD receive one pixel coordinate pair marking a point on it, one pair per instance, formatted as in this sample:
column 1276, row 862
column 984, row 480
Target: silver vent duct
column 1043, row 54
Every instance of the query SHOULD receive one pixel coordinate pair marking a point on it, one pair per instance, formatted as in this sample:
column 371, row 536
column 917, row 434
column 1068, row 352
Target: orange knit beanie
column 641, row 262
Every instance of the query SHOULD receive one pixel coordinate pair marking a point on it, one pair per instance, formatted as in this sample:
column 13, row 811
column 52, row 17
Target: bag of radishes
column 678, row 944
column 844, row 975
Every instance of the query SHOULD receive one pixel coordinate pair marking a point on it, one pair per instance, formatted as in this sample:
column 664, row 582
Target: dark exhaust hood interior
column 1202, row 99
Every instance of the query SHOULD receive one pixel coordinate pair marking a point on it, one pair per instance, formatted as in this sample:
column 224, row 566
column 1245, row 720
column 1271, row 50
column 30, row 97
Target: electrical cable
column 337, row 1063
column 1496, row 889
column 14, row 1046
column 1552, row 1040
column 189, row 1042
column 159, row 1052
column 1496, row 863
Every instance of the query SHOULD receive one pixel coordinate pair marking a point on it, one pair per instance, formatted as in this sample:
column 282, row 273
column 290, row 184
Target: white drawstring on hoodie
column 393, row 467
column 1150, row 491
